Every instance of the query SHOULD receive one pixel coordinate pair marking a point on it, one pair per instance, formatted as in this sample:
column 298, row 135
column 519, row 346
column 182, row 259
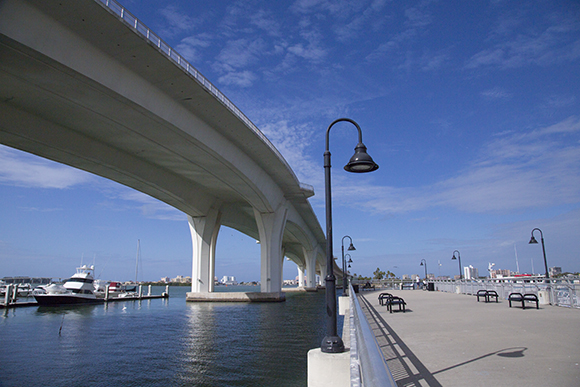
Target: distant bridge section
column 86, row 84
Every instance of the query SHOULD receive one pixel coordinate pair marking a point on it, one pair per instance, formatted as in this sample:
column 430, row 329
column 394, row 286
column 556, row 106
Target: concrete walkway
column 447, row 339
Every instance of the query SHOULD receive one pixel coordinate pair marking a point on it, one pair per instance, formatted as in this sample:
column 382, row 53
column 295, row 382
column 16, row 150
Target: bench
column 487, row 295
column 394, row 300
column 383, row 297
column 519, row 297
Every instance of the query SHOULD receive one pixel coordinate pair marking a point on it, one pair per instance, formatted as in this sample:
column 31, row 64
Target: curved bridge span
column 86, row 84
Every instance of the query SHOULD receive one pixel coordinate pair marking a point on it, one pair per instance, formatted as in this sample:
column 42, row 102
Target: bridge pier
column 204, row 232
column 271, row 230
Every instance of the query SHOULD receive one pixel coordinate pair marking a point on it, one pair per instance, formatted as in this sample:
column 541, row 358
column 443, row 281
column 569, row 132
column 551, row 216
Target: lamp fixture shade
column 361, row 161
column 533, row 240
column 421, row 264
column 351, row 247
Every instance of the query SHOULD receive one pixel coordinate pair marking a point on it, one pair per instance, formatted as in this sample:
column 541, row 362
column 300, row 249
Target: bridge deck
column 446, row 339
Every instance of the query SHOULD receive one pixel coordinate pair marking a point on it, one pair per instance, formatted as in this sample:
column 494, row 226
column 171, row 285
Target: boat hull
column 65, row 299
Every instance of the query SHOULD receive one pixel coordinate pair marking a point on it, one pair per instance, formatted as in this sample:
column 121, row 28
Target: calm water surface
column 162, row 342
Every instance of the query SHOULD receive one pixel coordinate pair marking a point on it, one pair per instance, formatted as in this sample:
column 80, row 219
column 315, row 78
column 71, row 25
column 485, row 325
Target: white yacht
column 78, row 289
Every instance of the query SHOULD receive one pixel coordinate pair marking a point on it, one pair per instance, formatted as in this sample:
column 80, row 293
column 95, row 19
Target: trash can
column 431, row 287
column 355, row 287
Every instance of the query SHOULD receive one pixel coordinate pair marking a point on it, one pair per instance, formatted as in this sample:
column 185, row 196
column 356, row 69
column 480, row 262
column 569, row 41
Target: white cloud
column 24, row 170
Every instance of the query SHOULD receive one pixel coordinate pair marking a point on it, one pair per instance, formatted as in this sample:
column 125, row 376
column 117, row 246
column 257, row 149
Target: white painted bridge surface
column 84, row 83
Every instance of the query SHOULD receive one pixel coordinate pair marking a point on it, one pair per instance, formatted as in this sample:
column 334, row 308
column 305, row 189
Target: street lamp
column 425, row 267
column 534, row 241
column 348, row 263
column 458, row 257
column 344, row 279
column 360, row 162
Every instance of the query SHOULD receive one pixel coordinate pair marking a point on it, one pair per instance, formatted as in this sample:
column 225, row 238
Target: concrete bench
column 383, row 297
column 518, row 297
column 394, row 300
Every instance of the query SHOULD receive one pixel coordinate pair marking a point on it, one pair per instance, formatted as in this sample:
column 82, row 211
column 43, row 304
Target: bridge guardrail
column 367, row 363
column 154, row 39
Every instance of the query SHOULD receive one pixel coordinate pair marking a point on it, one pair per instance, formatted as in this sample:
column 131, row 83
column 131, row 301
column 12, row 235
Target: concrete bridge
column 84, row 83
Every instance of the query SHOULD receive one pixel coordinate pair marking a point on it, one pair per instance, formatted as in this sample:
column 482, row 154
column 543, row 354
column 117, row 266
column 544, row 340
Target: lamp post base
column 332, row 344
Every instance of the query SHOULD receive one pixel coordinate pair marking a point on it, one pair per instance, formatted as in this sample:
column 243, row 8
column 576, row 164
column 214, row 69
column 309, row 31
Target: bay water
column 162, row 342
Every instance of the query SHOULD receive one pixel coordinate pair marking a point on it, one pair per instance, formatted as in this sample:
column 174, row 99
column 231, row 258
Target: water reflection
column 163, row 342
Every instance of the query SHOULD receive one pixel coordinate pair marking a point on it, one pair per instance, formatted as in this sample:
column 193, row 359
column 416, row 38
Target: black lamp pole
column 360, row 162
column 425, row 267
column 534, row 241
column 458, row 257
column 348, row 267
column 344, row 276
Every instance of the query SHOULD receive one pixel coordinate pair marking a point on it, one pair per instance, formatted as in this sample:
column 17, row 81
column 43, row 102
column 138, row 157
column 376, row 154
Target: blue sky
column 471, row 109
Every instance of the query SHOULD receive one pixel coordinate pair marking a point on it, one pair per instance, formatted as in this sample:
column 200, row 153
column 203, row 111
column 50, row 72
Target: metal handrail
column 368, row 365
column 562, row 292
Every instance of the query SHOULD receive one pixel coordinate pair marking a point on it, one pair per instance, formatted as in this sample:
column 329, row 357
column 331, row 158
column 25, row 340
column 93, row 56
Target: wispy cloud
column 548, row 43
column 496, row 93
column 176, row 21
column 23, row 170
column 517, row 171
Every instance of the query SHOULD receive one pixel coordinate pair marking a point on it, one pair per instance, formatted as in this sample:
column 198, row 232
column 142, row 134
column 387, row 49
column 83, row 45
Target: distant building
column 555, row 271
column 165, row 279
column 405, row 276
column 181, row 279
column 228, row 280
column 470, row 272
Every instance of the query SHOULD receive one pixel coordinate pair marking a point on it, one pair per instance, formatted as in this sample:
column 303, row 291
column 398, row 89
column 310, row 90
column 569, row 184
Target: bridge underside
column 80, row 87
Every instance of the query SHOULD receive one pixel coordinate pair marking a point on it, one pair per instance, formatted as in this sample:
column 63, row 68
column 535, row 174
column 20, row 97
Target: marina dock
column 448, row 339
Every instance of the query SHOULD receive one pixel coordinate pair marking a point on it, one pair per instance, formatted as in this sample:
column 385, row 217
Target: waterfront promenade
column 448, row 339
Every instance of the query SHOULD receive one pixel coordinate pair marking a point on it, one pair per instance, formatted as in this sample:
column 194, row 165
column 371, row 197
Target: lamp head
column 533, row 240
column 351, row 247
column 453, row 257
column 421, row 263
column 361, row 161
column 349, row 261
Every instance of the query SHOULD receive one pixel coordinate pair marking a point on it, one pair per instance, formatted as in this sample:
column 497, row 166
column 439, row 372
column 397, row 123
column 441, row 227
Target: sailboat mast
column 517, row 264
column 137, row 259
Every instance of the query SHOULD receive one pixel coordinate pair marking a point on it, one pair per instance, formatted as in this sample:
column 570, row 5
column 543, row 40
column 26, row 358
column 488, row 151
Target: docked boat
column 78, row 289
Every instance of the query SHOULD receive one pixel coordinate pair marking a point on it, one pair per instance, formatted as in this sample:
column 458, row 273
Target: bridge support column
column 300, row 276
column 310, row 258
column 271, row 229
column 322, row 275
column 204, row 232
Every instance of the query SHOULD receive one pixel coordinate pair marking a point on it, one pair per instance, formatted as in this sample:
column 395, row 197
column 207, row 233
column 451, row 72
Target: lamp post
column 425, row 267
column 344, row 279
column 348, row 267
column 360, row 162
column 534, row 241
column 458, row 257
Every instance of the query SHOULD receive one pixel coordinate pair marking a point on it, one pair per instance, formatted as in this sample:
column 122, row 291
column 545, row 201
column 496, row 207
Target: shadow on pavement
column 406, row 368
